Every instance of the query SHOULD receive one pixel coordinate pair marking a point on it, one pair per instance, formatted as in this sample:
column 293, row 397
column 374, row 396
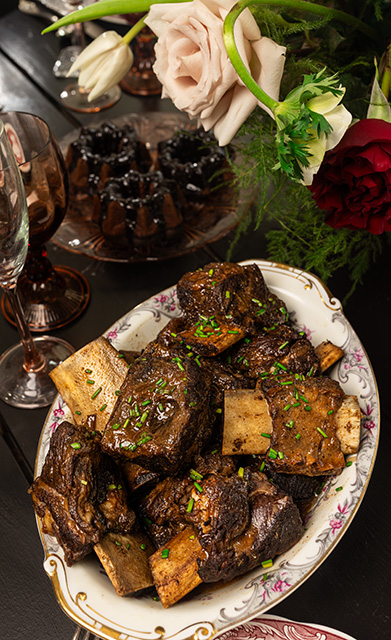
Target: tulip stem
column 132, row 33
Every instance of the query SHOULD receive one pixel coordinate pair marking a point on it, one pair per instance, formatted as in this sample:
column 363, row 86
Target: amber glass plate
column 215, row 218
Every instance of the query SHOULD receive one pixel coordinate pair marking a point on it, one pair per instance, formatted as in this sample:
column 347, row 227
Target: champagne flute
column 24, row 367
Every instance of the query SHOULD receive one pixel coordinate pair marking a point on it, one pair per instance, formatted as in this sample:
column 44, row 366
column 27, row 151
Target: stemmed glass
column 51, row 297
column 24, row 368
column 75, row 97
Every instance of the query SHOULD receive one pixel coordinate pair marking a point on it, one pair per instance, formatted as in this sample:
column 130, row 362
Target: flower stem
column 105, row 8
column 301, row 5
column 128, row 37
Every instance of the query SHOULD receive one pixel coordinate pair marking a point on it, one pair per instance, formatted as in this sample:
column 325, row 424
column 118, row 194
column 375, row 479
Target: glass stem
column 33, row 359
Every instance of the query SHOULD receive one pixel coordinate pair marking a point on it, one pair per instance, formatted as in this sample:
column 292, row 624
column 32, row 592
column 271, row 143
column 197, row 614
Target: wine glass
column 24, row 368
column 51, row 297
column 75, row 97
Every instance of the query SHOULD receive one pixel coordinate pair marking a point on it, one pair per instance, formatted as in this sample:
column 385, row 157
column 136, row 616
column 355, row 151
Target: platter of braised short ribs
column 206, row 454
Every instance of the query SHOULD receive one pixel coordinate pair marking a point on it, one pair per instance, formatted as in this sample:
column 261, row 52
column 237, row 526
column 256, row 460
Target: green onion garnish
column 322, row 433
column 75, row 445
column 165, row 553
column 96, row 393
column 190, row 505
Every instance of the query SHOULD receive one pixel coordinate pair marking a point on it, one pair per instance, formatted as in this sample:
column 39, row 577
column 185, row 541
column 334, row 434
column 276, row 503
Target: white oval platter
column 84, row 591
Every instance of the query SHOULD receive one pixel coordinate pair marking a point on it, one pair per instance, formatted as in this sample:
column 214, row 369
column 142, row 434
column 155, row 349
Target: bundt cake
column 99, row 153
column 138, row 210
column 194, row 160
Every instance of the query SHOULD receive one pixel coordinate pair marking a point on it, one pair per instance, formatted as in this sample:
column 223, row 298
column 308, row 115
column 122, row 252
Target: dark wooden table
column 350, row 591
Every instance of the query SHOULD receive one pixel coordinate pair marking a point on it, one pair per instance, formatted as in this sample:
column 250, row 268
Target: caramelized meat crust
column 259, row 353
column 304, row 439
column 241, row 518
column 161, row 419
column 79, row 495
column 229, row 291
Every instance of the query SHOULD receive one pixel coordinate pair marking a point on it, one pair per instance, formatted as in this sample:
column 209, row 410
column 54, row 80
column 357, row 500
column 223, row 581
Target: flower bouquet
column 300, row 89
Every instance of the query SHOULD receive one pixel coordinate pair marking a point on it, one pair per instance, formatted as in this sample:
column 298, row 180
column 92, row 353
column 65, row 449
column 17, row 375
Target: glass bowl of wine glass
column 50, row 296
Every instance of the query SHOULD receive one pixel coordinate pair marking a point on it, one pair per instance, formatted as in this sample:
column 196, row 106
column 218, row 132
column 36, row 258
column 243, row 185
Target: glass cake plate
column 219, row 214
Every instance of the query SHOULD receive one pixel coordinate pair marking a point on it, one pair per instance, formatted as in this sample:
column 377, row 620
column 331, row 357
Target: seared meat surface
column 79, row 495
column 259, row 353
column 304, row 436
column 161, row 419
column 229, row 291
column 240, row 517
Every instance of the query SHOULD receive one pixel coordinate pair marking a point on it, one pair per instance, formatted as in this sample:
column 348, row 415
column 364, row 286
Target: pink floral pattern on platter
column 113, row 334
column 58, row 412
column 338, row 520
column 369, row 424
column 166, row 301
column 353, row 359
column 271, row 628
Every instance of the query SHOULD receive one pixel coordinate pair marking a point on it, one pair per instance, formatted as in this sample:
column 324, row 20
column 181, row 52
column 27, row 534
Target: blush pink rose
column 193, row 65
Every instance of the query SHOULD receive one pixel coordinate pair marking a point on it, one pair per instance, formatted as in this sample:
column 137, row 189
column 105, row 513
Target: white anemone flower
column 339, row 118
column 103, row 63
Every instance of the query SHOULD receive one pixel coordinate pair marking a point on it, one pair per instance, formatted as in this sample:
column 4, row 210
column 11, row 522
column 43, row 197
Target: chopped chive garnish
column 190, row 505
column 78, row 413
column 338, row 488
column 117, row 392
column 219, row 410
column 232, row 331
column 174, row 335
column 75, row 445
column 307, row 407
column 126, row 422
column 261, row 468
column 161, row 406
column 112, row 486
column 322, row 433
column 266, row 435
column 144, row 404
column 96, row 393
column 165, row 553
column 311, row 371
column 272, row 454
column 298, row 436
column 296, row 393
column 287, row 382
column 103, row 407
column 84, row 482
column 349, row 463
column 128, row 545
column 330, row 412
column 280, row 455
column 117, row 543
column 195, row 475
column 198, row 487
column 241, row 472
column 88, row 371
column 283, row 345
column 296, row 404
column 287, row 406
column 210, row 272
column 131, row 447
column 143, row 546
column 227, row 294
column 90, row 381
column 267, row 563
column 290, row 424
column 116, row 426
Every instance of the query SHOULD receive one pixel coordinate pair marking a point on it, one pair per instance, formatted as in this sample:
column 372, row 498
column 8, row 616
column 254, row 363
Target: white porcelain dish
column 84, row 591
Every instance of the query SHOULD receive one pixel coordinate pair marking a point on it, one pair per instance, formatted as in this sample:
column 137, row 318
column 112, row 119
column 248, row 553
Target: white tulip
column 339, row 118
column 103, row 63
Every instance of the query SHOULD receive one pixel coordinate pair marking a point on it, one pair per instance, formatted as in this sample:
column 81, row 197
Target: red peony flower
column 353, row 184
